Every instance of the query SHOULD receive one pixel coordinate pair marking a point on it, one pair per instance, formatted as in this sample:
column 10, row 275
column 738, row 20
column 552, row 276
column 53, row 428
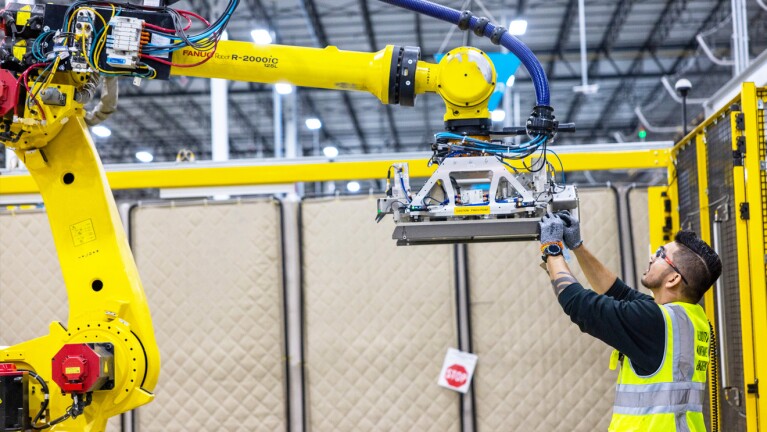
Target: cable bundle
column 460, row 145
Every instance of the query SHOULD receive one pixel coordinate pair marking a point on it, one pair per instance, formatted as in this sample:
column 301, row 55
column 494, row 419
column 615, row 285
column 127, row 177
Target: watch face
column 553, row 249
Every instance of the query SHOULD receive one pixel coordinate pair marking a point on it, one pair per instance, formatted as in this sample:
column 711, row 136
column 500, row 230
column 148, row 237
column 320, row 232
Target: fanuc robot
column 53, row 58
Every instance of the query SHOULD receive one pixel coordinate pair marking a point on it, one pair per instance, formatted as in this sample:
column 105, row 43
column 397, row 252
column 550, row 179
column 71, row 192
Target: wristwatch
column 551, row 249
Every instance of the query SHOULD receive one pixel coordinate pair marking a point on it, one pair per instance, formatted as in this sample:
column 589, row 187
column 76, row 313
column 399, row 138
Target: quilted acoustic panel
column 536, row 370
column 32, row 291
column 640, row 230
column 212, row 274
column 378, row 322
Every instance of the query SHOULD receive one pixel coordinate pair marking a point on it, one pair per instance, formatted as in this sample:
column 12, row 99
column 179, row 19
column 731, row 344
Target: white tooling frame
column 527, row 194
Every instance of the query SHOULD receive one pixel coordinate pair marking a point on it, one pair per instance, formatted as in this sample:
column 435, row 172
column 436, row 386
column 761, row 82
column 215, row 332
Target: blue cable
column 404, row 189
column 221, row 23
column 560, row 165
column 489, row 145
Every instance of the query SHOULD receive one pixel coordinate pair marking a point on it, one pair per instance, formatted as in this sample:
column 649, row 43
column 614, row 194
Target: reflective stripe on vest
column 659, row 398
column 684, row 343
column 679, row 397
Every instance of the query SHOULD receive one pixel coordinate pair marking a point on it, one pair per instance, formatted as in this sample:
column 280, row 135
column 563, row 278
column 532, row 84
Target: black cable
column 46, row 401
column 388, row 181
column 46, row 393
column 52, row 422
column 713, row 360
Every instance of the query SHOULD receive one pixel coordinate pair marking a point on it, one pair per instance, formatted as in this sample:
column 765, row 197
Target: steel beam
column 318, row 29
column 609, row 37
column 175, row 122
column 135, row 119
column 667, row 19
column 689, row 48
column 374, row 47
column 563, row 36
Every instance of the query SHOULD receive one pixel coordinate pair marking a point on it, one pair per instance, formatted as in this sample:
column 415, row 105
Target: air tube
column 525, row 55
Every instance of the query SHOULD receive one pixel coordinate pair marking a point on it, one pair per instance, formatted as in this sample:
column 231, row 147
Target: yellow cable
column 99, row 45
column 94, row 13
column 50, row 74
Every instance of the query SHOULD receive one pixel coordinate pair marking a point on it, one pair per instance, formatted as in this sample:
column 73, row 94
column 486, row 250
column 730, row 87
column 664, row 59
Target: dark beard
column 644, row 283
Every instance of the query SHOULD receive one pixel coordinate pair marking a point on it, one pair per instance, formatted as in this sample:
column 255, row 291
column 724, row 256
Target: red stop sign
column 456, row 375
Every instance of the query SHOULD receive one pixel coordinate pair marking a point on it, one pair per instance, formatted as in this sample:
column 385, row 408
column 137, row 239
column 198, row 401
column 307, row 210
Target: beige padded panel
column 536, row 370
column 379, row 320
column 32, row 291
column 212, row 274
column 640, row 225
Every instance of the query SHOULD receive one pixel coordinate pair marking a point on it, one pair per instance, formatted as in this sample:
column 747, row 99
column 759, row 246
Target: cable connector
column 463, row 22
column 479, row 28
column 542, row 121
column 497, row 35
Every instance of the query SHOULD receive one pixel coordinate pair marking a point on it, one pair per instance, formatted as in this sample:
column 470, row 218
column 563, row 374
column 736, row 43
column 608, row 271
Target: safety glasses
column 661, row 253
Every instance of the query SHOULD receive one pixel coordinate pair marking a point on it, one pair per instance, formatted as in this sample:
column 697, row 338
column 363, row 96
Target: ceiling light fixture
column 313, row 123
column 261, row 36
column 353, row 186
column 518, row 27
column 283, row 88
column 101, row 131
column 330, row 152
column 144, row 156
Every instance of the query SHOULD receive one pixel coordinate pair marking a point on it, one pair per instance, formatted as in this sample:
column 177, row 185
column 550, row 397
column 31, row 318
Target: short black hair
column 699, row 263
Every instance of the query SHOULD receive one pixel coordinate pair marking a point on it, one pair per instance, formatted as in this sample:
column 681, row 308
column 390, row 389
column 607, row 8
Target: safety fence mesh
column 687, row 180
column 723, row 213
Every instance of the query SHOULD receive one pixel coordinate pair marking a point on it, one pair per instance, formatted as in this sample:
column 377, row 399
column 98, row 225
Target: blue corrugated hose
column 513, row 44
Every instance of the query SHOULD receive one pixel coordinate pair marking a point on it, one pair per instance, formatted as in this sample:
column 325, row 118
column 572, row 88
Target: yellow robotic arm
column 465, row 78
column 105, row 360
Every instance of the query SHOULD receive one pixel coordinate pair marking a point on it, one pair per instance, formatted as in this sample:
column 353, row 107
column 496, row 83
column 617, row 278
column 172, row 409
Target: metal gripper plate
column 465, row 231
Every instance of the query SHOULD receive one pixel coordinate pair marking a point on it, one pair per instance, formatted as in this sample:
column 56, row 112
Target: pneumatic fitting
column 542, row 122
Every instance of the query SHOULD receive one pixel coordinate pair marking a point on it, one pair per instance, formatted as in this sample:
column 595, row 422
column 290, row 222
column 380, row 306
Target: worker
column 661, row 343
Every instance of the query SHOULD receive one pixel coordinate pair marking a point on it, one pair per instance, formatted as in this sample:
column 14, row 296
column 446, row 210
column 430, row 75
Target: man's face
column 658, row 269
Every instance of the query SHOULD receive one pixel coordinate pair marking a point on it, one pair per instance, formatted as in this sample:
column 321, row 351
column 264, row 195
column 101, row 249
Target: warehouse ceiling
column 631, row 46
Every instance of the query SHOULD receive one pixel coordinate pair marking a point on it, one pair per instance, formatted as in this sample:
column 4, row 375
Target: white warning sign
column 457, row 370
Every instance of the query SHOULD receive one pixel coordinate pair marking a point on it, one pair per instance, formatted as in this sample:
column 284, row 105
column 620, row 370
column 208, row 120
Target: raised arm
column 600, row 277
column 633, row 325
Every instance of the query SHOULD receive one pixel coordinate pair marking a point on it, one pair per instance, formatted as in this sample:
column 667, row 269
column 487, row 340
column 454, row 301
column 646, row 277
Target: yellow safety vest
column 671, row 399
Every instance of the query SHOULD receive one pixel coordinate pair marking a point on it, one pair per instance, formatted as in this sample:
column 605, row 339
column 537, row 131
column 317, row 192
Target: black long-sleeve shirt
column 623, row 318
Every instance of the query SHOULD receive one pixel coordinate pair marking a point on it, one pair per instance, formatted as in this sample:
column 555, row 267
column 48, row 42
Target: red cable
column 185, row 13
column 189, row 23
column 23, row 80
column 167, row 30
column 158, row 28
column 166, row 62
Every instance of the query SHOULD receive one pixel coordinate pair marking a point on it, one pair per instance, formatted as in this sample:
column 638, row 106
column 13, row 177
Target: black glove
column 552, row 229
column 572, row 229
